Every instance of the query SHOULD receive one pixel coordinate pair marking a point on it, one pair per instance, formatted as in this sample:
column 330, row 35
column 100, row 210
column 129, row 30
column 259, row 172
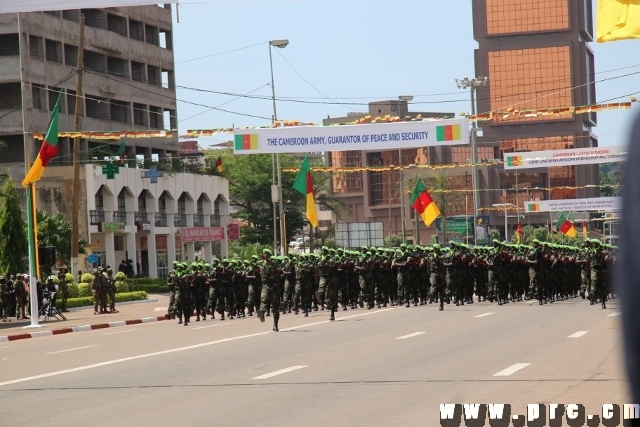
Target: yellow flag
column 617, row 20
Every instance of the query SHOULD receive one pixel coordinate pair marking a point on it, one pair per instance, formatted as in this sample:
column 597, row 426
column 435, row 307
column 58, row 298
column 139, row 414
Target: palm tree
column 56, row 231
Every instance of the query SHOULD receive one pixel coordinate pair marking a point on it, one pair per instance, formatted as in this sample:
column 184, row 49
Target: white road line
column 119, row 332
column 72, row 349
column 483, row 315
column 577, row 334
column 613, row 314
column 160, row 353
column 280, row 372
column 415, row 334
column 211, row 326
column 511, row 369
column 160, row 309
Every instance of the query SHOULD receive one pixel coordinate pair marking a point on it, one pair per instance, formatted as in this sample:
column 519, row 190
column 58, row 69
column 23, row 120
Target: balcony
column 180, row 220
column 141, row 217
column 160, row 220
column 215, row 221
column 198, row 220
column 96, row 217
column 119, row 216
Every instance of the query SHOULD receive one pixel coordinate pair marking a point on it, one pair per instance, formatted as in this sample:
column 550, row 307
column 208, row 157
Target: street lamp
column 472, row 84
column 279, row 44
column 406, row 98
column 506, row 207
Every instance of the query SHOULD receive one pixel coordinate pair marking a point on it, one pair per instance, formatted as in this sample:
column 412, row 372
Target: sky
column 347, row 51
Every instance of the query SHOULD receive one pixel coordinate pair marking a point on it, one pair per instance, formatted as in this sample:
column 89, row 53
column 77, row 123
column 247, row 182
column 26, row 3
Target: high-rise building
column 129, row 82
column 536, row 54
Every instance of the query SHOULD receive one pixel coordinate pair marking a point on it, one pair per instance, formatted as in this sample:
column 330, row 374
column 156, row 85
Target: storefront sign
column 580, row 156
column 376, row 136
column 569, row 205
column 234, row 232
column 202, row 234
column 112, row 226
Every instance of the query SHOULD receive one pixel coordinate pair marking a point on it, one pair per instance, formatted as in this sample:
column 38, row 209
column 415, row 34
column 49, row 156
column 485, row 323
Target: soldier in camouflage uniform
column 269, row 295
column 5, row 291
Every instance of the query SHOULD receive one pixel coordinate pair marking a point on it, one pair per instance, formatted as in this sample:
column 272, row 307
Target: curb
column 140, row 301
column 80, row 328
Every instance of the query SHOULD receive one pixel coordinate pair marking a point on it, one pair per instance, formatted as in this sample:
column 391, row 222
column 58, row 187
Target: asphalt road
column 391, row 367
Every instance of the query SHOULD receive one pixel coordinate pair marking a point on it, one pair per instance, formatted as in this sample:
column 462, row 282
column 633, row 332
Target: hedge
column 88, row 301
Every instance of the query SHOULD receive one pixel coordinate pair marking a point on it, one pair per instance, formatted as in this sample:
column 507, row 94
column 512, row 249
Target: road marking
column 511, row 369
column 577, row 334
column 613, row 314
column 119, row 332
column 160, row 309
column 72, row 349
column 211, row 326
column 280, row 372
column 415, row 334
column 483, row 315
column 160, row 353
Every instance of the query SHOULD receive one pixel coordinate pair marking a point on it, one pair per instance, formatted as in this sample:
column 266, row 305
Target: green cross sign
column 110, row 170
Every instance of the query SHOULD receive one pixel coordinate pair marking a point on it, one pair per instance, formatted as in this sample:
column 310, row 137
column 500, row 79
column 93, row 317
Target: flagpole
column 33, row 273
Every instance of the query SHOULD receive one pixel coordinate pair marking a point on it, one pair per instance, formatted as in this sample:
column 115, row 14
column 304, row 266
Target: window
column 53, row 97
column 53, row 51
column 138, row 73
column 55, row 13
column 136, row 30
column 118, row 243
column 120, row 111
column 97, row 108
column 165, row 40
column 9, row 45
column 35, row 47
column 139, row 114
column 117, row 67
column 95, row 18
column 152, row 35
column 70, row 15
column 71, row 102
column 153, row 75
column 95, row 61
column 39, row 97
column 155, row 117
column 526, row 16
column 117, row 24
column 71, row 55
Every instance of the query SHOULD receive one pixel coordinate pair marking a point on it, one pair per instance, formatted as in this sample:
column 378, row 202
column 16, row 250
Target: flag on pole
column 304, row 185
column 519, row 233
column 423, row 204
column 121, row 153
column 566, row 227
column 48, row 150
column 617, row 20
column 585, row 232
column 219, row 165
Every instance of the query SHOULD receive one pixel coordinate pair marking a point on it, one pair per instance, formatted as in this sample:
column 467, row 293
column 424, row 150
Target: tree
column 437, row 185
column 56, row 231
column 14, row 246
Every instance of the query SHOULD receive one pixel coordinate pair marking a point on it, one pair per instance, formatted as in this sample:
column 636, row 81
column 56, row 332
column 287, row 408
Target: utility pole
column 76, row 153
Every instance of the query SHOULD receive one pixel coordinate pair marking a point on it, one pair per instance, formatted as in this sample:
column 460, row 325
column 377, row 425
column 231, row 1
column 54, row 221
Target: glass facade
column 537, row 144
column 346, row 183
column 530, row 79
column 526, row 16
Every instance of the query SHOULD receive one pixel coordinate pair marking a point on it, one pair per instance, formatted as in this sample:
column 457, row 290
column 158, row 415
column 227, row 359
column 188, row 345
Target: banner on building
column 551, row 158
column 459, row 227
column 569, row 205
column 375, row 136
column 13, row 6
column 201, row 234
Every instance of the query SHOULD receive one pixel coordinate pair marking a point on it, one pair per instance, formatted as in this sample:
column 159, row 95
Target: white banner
column 377, row 136
column 570, row 205
column 578, row 156
column 13, row 6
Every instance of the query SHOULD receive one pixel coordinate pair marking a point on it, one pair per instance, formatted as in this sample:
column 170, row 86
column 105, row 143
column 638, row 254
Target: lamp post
column 406, row 98
column 472, row 84
column 279, row 44
column 505, row 206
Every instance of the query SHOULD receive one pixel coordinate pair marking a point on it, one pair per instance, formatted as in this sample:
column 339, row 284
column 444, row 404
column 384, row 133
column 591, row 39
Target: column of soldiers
column 376, row 277
column 103, row 287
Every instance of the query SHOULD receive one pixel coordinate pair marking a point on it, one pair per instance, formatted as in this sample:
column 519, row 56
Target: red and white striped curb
column 80, row 328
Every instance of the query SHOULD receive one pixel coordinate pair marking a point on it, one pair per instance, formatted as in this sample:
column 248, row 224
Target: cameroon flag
column 617, row 20
column 421, row 201
column 566, row 227
column 219, row 165
column 49, row 148
column 304, row 185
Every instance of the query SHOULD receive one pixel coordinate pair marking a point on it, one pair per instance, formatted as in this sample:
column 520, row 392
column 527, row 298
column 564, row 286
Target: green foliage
column 122, row 286
column 611, row 179
column 74, row 290
column 56, row 231
column 70, row 278
column 393, row 241
column 14, row 246
column 86, row 278
column 495, row 235
column 237, row 250
column 84, row 290
column 120, row 275
column 541, row 233
column 88, row 301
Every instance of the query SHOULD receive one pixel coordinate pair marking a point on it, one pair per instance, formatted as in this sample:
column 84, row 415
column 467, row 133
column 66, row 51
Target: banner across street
column 568, row 205
column 381, row 136
column 579, row 156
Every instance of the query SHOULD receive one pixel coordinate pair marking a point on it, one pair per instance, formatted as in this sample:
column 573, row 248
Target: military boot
column 275, row 325
column 441, row 305
column 332, row 317
column 260, row 315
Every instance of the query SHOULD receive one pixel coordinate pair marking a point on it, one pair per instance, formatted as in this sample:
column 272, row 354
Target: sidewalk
column 84, row 319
